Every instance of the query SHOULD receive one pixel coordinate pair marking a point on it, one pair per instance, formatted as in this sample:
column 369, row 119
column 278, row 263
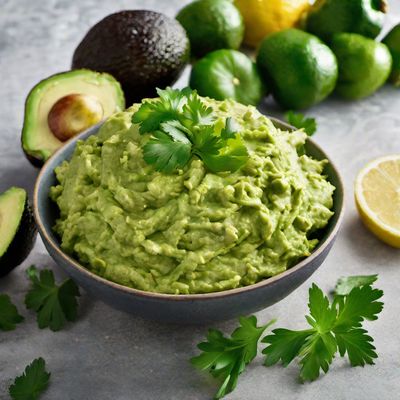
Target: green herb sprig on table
column 346, row 284
column 54, row 304
column 334, row 327
column 181, row 126
column 226, row 358
column 9, row 315
column 32, row 383
column 299, row 121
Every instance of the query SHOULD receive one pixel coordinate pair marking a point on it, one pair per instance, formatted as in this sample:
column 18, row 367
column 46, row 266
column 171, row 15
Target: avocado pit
column 73, row 114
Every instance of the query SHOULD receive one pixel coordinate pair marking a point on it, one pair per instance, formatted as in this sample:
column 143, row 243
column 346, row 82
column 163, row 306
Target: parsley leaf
column 54, row 304
column 335, row 326
column 226, row 358
column 181, row 126
column 31, row 384
column 9, row 315
column 347, row 283
column 299, row 121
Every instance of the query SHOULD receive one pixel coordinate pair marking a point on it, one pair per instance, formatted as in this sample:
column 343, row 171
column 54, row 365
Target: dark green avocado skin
column 142, row 49
column 22, row 244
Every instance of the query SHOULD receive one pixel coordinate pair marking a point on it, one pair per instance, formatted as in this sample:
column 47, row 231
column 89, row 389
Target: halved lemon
column 377, row 195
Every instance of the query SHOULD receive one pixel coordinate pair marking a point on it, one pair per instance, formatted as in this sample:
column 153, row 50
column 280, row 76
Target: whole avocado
column 328, row 17
column 142, row 49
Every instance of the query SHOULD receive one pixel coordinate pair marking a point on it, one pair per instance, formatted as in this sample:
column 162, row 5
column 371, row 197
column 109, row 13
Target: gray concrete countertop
column 109, row 355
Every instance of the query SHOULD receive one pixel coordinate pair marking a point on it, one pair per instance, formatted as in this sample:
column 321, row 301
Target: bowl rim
column 185, row 297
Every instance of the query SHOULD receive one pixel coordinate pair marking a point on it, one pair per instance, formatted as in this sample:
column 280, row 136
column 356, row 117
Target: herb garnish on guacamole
column 191, row 230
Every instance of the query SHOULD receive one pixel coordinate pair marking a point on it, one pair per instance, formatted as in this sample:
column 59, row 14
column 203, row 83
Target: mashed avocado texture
column 191, row 231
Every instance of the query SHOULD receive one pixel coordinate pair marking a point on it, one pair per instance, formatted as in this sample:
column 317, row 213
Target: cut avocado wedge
column 64, row 105
column 17, row 229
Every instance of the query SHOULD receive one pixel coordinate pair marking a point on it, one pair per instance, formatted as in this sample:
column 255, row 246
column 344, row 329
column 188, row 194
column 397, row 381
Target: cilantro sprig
column 227, row 357
column 299, row 121
column 345, row 284
column 182, row 126
column 334, row 327
column 54, row 304
column 32, row 383
column 9, row 316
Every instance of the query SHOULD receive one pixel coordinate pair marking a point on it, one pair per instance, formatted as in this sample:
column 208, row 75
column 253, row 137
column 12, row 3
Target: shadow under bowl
column 183, row 309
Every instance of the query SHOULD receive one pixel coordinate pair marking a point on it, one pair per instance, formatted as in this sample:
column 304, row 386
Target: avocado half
column 39, row 142
column 17, row 229
column 142, row 49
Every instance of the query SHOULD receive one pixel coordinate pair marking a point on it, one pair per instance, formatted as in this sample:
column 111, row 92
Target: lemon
column 263, row 17
column 377, row 195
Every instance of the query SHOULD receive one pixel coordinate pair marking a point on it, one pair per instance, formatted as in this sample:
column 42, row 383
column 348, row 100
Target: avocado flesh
column 38, row 141
column 17, row 229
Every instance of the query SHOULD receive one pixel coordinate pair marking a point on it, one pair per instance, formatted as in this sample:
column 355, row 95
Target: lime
column 227, row 74
column 377, row 197
column 212, row 25
column 365, row 17
column 263, row 17
column 364, row 65
column 299, row 69
column 392, row 41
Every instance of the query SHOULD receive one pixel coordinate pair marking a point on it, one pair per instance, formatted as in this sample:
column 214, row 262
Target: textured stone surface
column 110, row 355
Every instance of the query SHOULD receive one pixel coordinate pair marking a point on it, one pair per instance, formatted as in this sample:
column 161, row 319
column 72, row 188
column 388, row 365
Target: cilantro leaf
column 317, row 353
column 232, row 156
column 346, row 283
column 153, row 112
column 220, row 153
column 335, row 326
column 323, row 316
column 165, row 153
column 181, row 126
column 9, row 315
column 54, row 304
column 196, row 112
column 359, row 305
column 299, row 121
column 226, row 358
column 176, row 131
column 358, row 346
column 31, row 384
column 230, row 130
column 284, row 345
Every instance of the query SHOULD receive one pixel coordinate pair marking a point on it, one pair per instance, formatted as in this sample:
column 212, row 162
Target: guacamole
column 191, row 231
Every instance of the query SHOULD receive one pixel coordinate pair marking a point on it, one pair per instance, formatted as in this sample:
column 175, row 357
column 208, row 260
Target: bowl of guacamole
column 197, row 216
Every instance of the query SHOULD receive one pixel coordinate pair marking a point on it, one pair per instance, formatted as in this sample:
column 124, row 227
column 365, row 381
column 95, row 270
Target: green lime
column 299, row 69
column 327, row 17
column 212, row 25
column 392, row 40
column 364, row 65
column 227, row 74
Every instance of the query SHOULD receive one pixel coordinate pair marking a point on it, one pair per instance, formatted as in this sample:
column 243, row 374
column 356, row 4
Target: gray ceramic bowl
column 184, row 309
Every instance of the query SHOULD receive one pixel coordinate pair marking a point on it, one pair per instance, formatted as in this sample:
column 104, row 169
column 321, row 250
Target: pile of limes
column 303, row 53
